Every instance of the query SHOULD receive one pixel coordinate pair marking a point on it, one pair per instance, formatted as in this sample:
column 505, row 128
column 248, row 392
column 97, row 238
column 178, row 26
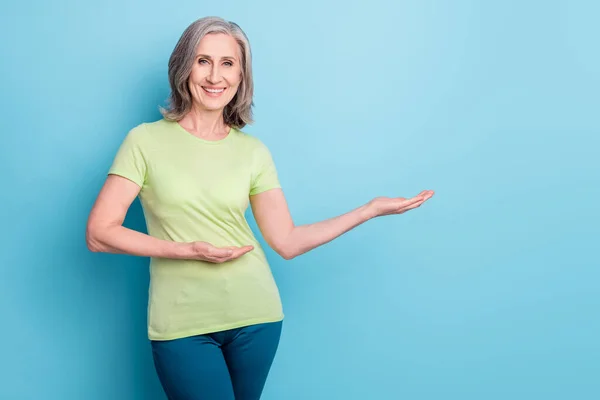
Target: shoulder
column 252, row 143
column 148, row 132
column 258, row 152
column 154, row 128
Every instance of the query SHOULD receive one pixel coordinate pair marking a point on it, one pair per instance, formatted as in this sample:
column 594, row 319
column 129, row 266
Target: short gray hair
column 238, row 112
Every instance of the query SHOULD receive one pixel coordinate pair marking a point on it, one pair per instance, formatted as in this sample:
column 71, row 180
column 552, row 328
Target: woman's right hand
column 204, row 251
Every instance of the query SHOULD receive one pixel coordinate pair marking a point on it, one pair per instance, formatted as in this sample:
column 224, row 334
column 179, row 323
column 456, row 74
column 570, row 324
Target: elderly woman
column 214, row 312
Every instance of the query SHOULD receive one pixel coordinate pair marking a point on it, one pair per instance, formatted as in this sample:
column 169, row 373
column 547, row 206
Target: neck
column 208, row 125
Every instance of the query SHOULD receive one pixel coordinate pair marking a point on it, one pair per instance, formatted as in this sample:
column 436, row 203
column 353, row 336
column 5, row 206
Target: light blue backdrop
column 489, row 291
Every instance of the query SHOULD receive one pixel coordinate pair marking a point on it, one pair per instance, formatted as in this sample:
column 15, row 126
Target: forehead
column 218, row 45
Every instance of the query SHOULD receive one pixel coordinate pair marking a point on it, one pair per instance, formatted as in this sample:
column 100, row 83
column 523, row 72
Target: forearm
column 121, row 240
column 304, row 238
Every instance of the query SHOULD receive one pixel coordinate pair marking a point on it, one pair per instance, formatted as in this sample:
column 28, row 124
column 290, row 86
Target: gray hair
column 238, row 112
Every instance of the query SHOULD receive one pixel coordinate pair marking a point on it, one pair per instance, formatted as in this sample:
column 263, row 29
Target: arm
column 105, row 232
column 273, row 217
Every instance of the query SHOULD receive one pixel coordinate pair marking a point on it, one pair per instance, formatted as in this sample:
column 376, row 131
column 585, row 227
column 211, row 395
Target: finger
column 409, row 205
column 240, row 248
column 422, row 200
column 415, row 205
column 241, row 251
column 424, row 197
column 409, row 202
column 220, row 252
column 426, row 193
column 235, row 252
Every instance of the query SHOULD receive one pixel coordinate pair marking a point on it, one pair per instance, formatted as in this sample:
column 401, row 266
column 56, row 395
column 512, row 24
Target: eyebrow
column 210, row 58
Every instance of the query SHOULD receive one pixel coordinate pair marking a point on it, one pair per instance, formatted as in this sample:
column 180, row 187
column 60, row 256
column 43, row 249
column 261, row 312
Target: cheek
column 196, row 75
column 234, row 77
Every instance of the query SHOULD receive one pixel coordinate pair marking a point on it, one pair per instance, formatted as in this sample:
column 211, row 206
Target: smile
column 213, row 92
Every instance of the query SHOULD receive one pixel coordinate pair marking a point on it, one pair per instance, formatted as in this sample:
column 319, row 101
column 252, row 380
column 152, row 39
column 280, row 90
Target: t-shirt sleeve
column 130, row 161
column 264, row 175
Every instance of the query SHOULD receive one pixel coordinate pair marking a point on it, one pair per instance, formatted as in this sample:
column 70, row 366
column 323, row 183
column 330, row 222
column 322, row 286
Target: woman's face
column 216, row 73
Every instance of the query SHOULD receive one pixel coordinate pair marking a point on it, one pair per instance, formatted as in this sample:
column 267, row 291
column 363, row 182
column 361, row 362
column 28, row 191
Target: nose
column 213, row 75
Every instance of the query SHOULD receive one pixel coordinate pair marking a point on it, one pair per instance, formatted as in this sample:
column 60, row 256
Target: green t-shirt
column 198, row 190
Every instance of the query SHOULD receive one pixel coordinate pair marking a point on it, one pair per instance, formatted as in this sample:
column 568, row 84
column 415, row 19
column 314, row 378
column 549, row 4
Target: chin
column 212, row 106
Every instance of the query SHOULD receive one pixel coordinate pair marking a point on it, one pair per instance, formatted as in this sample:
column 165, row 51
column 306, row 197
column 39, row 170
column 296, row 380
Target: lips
column 213, row 91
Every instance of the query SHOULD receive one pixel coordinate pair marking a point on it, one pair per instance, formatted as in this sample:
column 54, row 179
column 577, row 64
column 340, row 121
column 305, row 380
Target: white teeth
column 213, row 90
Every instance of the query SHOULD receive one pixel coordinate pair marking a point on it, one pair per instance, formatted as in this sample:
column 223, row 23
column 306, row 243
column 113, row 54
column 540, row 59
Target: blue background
column 488, row 291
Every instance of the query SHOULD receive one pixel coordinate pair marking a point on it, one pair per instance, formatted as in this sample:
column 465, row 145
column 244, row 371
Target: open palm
column 397, row 205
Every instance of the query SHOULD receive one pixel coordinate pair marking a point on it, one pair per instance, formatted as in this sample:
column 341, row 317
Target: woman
column 214, row 312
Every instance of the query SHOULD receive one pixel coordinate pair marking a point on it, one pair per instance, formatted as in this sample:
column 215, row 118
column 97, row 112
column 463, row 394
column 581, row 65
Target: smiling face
column 216, row 73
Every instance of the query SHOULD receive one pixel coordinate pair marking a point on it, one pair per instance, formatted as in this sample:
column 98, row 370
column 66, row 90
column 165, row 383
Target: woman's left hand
column 380, row 206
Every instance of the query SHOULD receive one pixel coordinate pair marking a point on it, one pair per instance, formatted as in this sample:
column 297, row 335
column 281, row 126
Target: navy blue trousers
column 226, row 365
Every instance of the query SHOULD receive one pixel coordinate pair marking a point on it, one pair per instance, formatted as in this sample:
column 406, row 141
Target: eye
column 202, row 61
column 228, row 63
